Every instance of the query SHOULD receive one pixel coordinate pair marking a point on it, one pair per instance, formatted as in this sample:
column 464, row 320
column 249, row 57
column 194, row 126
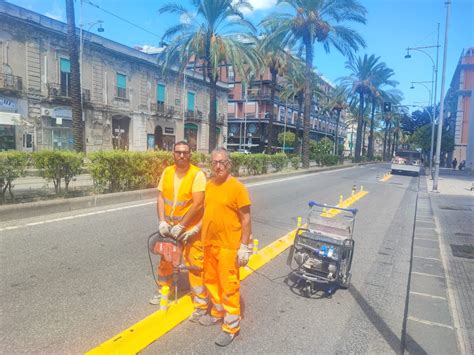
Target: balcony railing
column 58, row 90
column 193, row 116
column 11, row 82
column 162, row 110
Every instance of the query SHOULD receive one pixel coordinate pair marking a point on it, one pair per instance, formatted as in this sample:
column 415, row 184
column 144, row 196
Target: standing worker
column 179, row 207
column 226, row 231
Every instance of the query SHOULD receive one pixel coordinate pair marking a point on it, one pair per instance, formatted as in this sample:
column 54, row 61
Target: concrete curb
column 40, row 208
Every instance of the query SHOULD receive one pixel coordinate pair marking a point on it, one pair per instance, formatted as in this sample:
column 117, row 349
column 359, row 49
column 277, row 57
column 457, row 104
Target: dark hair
column 182, row 143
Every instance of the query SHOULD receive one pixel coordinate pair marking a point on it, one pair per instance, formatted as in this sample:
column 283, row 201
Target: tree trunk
column 298, row 144
column 307, row 101
column 212, row 115
column 385, row 141
column 337, row 131
column 364, row 130
column 371, row 134
column 389, row 143
column 271, row 116
column 358, row 144
column 77, row 131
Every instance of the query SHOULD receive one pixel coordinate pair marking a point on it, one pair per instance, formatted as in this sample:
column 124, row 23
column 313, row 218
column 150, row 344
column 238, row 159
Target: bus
column 406, row 162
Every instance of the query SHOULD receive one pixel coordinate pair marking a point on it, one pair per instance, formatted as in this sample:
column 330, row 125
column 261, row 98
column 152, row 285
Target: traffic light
column 387, row 106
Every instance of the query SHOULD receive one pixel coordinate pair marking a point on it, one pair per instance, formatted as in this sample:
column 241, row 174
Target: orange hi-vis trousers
column 193, row 255
column 221, row 278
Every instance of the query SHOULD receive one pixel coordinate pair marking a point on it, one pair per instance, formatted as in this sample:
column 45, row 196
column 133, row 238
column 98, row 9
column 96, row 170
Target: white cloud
column 186, row 18
column 259, row 5
column 149, row 49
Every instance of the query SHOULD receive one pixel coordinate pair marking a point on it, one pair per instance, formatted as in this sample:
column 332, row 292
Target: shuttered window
column 160, row 93
column 191, row 101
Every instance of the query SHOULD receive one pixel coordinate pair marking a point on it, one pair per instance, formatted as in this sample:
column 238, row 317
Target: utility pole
column 441, row 109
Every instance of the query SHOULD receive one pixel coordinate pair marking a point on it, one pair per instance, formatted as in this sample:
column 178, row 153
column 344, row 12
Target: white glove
column 243, row 255
column 164, row 229
column 176, row 231
column 188, row 234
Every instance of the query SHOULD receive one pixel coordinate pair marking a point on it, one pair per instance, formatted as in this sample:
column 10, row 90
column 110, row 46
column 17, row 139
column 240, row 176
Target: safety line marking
column 427, row 295
column 344, row 204
column 427, row 258
column 427, row 322
column 148, row 330
column 428, row 239
column 386, row 177
column 425, row 274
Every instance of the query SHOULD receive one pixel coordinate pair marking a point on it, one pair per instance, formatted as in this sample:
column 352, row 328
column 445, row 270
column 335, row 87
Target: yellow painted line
column 386, row 177
column 344, row 204
column 153, row 327
column 148, row 330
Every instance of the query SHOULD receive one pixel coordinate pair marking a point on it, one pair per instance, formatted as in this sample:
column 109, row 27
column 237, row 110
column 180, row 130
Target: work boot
column 209, row 320
column 224, row 338
column 197, row 315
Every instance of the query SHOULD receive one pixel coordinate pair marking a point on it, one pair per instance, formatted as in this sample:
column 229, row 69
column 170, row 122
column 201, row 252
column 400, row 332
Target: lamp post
column 434, row 85
column 422, row 83
column 441, row 109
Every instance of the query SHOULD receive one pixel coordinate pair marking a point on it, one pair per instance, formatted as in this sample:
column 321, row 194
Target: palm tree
column 338, row 103
column 364, row 77
column 320, row 21
column 75, row 78
column 276, row 59
column 216, row 35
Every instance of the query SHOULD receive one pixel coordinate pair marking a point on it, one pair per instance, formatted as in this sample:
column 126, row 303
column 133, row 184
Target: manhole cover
column 455, row 208
column 461, row 234
column 463, row 251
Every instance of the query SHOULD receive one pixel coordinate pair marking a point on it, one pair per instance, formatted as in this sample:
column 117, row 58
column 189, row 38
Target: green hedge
column 56, row 165
column 279, row 161
column 12, row 166
column 329, row 159
column 295, row 162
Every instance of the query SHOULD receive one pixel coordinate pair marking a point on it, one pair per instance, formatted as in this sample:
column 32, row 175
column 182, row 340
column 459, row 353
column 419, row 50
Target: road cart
column 322, row 251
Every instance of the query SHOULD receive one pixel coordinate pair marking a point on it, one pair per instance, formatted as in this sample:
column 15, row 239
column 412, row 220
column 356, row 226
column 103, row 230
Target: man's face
column 182, row 156
column 220, row 166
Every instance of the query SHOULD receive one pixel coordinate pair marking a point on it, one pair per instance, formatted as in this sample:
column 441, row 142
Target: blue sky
column 392, row 26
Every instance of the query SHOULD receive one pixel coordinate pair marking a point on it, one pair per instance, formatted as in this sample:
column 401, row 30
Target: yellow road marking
column 148, row 330
column 386, row 177
column 153, row 327
column 344, row 204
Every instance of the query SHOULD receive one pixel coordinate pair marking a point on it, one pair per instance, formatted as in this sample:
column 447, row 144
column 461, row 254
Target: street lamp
column 434, row 85
column 422, row 83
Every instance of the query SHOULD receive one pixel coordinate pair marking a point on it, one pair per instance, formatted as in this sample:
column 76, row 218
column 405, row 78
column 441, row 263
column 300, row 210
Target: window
column 160, row 94
column 191, row 96
column 27, row 140
column 65, row 78
column 121, row 86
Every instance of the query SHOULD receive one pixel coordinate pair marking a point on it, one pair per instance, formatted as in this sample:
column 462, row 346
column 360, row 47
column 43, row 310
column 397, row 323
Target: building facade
column 458, row 103
column 248, row 114
column 127, row 101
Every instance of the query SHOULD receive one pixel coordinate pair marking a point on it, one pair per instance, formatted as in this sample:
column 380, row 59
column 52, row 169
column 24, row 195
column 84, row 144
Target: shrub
column 295, row 162
column 237, row 161
column 256, row 164
column 279, row 161
column 12, row 166
column 329, row 159
column 56, row 165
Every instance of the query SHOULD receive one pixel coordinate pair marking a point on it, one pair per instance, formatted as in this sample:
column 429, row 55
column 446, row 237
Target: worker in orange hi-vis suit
column 226, row 232
column 180, row 206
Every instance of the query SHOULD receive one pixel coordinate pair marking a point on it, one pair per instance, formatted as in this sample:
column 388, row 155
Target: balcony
column 86, row 95
column 162, row 110
column 58, row 92
column 11, row 83
column 195, row 116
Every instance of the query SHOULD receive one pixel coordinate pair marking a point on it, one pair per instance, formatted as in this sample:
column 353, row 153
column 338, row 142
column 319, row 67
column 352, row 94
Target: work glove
column 243, row 255
column 188, row 234
column 176, row 231
column 164, row 229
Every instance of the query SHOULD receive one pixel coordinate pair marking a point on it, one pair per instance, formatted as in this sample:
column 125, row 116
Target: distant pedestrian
column 454, row 163
column 462, row 164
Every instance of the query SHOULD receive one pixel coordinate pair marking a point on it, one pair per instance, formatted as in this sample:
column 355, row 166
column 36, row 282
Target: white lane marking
column 427, row 295
column 425, row 274
column 425, row 257
column 76, row 216
column 431, row 240
column 149, row 203
column 427, row 322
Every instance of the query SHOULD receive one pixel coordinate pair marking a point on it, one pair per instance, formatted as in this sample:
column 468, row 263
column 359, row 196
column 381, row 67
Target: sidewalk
column 453, row 208
column 440, row 298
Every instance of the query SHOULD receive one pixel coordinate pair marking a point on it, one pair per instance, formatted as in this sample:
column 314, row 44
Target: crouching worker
column 225, row 234
column 179, row 208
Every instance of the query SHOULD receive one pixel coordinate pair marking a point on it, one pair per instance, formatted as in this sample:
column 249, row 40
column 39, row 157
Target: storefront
column 57, row 128
column 10, row 124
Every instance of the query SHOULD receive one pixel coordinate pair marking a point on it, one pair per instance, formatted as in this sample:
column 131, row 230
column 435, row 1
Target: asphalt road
column 70, row 284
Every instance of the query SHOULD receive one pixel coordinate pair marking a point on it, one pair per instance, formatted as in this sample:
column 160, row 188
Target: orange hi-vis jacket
column 175, row 210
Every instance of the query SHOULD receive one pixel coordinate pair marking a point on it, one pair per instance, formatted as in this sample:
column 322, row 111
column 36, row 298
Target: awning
column 10, row 118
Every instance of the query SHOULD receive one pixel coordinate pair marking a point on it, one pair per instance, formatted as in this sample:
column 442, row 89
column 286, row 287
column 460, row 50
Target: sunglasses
column 220, row 162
